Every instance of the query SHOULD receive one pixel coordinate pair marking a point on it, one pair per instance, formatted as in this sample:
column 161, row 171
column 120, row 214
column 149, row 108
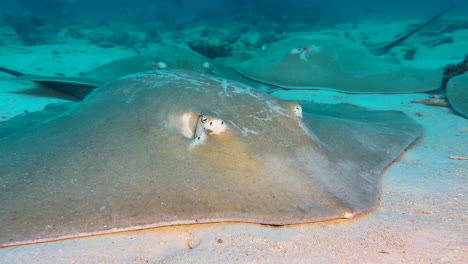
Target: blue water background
column 309, row 11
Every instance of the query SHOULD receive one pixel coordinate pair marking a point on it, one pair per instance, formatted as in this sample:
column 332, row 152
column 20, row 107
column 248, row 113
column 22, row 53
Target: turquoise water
column 40, row 21
column 215, row 9
column 62, row 32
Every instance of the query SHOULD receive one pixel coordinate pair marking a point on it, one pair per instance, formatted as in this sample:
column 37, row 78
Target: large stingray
column 334, row 64
column 457, row 94
column 177, row 147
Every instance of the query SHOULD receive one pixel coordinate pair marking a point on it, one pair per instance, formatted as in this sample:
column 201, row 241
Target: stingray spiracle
column 211, row 125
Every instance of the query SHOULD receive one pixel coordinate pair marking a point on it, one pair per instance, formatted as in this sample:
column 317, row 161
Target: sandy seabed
column 420, row 217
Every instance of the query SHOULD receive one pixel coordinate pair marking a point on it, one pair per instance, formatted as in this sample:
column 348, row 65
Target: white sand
column 420, row 217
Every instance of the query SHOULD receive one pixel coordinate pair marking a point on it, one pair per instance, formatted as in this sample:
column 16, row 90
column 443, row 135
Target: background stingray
column 334, row 64
column 176, row 147
column 457, row 94
column 171, row 57
column 160, row 58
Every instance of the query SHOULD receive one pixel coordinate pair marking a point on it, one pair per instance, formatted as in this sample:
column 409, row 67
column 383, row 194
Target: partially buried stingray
column 177, row 147
column 334, row 64
column 457, row 94
column 161, row 57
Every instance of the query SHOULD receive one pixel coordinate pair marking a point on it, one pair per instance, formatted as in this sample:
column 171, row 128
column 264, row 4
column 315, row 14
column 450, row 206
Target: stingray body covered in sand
column 335, row 64
column 344, row 66
column 457, row 93
column 177, row 147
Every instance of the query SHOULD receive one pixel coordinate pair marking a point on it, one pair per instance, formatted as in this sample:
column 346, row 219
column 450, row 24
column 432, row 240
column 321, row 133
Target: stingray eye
column 298, row 111
column 189, row 123
column 203, row 118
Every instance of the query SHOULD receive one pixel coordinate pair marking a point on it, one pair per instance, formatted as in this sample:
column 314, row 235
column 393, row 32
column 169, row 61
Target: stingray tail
column 12, row 72
column 388, row 47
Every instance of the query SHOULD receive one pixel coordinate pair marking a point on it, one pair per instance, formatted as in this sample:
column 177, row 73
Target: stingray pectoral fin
column 373, row 139
column 457, row 94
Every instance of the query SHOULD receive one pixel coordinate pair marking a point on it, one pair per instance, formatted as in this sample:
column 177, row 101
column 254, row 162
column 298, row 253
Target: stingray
column 334, row 64
column 175, row 147
column 457, row 94
column 161, row 57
